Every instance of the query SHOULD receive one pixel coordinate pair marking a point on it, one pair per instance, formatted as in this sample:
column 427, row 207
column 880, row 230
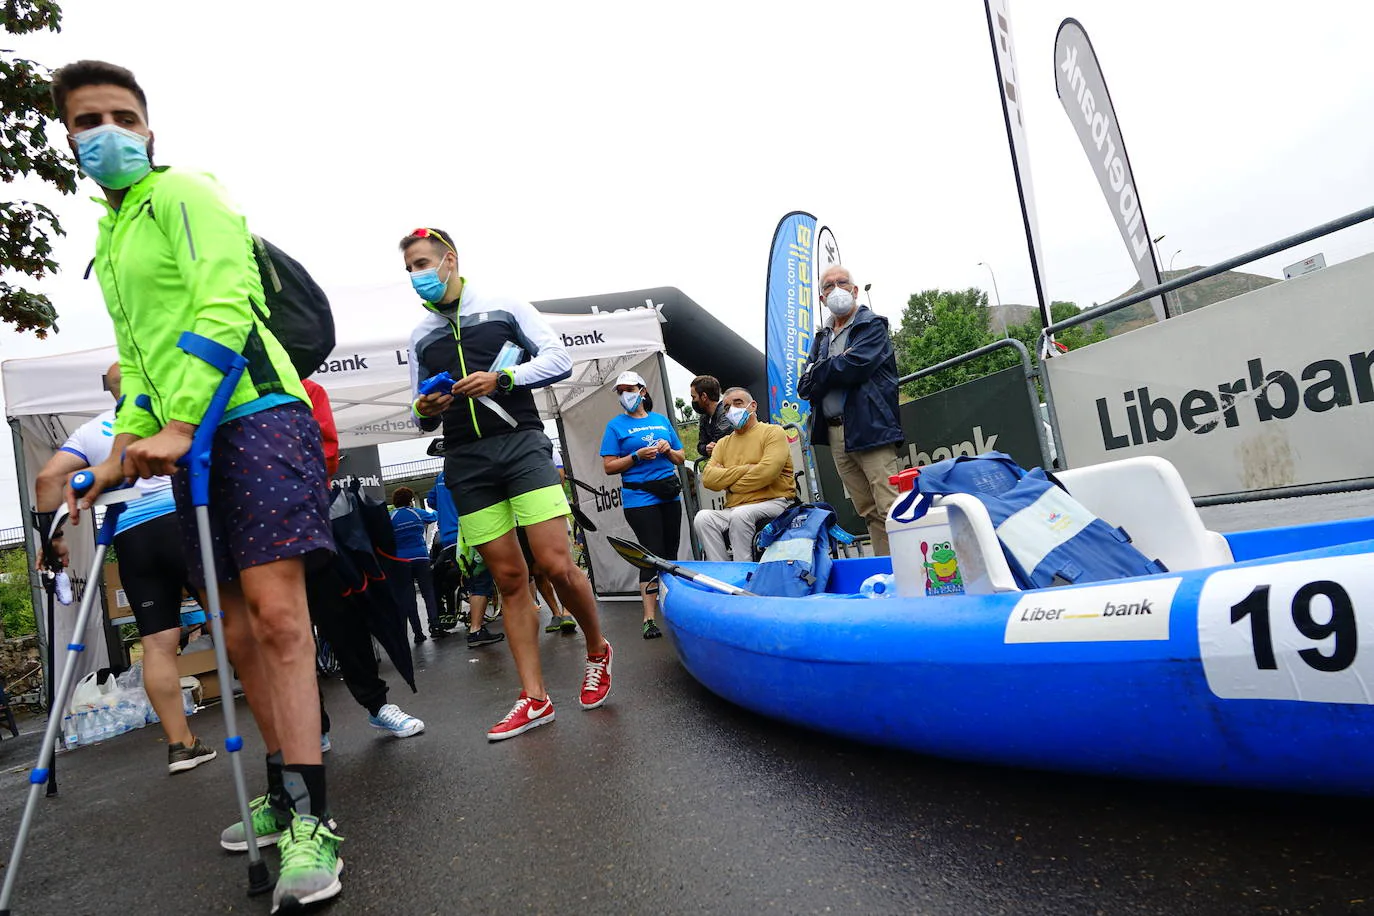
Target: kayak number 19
column 1301, row 630
column 1340, row 625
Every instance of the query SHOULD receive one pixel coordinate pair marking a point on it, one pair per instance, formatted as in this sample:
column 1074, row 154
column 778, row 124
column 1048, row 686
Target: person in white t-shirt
column 152, row 570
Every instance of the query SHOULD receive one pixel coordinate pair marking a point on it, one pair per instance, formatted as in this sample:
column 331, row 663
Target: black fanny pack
column 659, row 488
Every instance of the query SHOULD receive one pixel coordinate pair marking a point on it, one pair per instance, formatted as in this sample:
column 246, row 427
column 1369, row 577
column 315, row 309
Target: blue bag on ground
column 796, row 558
column 1047, row 536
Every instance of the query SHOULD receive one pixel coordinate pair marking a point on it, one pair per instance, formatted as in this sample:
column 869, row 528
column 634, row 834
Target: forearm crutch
column 197, row 463
column 115, row 501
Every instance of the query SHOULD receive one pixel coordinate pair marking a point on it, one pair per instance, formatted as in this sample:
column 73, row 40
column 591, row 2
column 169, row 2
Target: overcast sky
column 585, row 148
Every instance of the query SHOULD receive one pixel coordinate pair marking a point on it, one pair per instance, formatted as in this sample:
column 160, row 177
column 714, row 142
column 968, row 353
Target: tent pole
column 36, row 592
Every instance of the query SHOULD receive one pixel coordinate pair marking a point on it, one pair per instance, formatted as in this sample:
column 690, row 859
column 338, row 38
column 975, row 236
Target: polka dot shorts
column 269, row 493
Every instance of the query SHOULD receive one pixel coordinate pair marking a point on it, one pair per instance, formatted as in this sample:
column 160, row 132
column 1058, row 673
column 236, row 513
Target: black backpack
column 299, row 315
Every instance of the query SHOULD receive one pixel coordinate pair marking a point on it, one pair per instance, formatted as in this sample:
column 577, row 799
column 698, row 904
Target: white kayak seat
column 981, row 562
column 1143, row 495
column 1146, row 496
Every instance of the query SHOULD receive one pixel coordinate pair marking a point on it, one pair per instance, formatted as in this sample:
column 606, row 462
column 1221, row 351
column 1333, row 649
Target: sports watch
column 505, row 381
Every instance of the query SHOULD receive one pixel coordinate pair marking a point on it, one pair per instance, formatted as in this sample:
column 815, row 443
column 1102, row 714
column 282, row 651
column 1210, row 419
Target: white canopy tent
column 367, row 378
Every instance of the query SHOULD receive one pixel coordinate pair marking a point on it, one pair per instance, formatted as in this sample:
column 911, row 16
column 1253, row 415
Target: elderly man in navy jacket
column 851, row 382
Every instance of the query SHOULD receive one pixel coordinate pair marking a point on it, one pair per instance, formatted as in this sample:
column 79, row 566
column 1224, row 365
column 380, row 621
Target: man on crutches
column 173, row 256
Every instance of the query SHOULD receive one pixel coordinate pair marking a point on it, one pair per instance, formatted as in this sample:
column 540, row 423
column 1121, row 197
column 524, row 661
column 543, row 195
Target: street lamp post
column 1178, row 293
column 1159, row 259
column 998, row 295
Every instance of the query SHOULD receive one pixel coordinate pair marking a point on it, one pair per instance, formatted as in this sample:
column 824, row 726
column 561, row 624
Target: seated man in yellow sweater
column 753, row 465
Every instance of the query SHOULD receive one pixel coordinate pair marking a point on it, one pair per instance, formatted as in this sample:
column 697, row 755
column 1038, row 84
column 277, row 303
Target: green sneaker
column 554, row 623
column 310, row 864
column 569, row 624
column 651, row 630
column 268, row 824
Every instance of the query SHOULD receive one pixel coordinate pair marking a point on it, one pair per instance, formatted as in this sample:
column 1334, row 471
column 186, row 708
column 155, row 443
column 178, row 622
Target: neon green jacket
column 177, row 256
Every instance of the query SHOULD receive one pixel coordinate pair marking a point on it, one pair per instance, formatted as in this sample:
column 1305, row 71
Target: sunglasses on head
column 423, row 233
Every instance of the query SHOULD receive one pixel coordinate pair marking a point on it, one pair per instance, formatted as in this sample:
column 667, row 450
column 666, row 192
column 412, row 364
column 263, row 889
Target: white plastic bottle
column 83, row 728
column 69, row 737
column 881, row 585
column 923, row 557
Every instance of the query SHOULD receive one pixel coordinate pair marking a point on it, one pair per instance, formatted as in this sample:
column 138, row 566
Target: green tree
column 16, row 601
column 942, row 324
column 684, row 410
column 27, row 227
column 939, row 325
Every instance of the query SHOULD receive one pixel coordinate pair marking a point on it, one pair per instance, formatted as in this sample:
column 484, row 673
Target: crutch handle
column 82, row 481
column 197, row 459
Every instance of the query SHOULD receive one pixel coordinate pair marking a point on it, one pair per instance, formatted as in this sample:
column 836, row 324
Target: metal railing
column 1097, row 311
column 408, row 470
column 1264, row 251
column 1028, row 371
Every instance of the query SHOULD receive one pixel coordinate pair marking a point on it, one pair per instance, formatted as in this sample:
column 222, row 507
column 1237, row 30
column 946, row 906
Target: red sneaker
column 525, row 715
column 596, row 682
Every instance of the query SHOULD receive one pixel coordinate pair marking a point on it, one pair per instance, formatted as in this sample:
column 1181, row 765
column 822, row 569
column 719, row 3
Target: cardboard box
column 201, row 665
column 196, row 662
column 209, row 686
column 116, row 601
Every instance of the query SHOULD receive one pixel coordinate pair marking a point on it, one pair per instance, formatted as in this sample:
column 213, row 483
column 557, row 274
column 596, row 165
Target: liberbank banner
column 1083, row 92
column 1274, row 388
column 789, row 314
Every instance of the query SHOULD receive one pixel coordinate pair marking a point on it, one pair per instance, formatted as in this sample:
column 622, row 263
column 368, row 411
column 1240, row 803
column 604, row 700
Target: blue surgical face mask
column 630, row 400
column 739, row 416
column 112, row 156
column 428, row 285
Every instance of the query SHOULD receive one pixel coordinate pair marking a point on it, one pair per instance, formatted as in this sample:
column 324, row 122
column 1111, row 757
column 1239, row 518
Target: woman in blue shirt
column 409, row 524
column 644, row 449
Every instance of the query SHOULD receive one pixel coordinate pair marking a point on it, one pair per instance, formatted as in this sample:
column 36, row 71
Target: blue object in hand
column 81, row 482
column 437, row 384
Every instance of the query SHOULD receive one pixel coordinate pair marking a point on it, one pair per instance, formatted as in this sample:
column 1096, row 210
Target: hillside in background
column 1190, row 298
column 1198, row 295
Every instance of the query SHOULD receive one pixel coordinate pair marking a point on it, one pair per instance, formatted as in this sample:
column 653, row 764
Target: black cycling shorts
column 152, row 568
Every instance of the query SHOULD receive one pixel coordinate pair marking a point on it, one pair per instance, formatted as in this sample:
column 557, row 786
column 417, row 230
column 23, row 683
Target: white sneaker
column 391, row 718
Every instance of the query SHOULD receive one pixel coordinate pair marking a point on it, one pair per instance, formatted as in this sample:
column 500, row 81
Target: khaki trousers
column 865, row 475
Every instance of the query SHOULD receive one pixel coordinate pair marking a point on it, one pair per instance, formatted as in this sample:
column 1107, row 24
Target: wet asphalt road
column 671, row 801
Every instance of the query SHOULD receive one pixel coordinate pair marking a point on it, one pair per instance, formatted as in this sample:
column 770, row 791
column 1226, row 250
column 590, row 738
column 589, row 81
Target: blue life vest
column 1046, row 534
column 797, row 546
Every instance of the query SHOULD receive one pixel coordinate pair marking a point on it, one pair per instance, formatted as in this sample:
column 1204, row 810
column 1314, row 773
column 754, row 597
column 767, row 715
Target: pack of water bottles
column 122, row 707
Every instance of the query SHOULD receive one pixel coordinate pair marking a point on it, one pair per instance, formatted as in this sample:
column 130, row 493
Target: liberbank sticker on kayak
column 1120, row 612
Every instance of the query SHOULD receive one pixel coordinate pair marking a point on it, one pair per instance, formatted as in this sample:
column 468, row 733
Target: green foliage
column 939, row 325
column 684, row 410
column 942, row 324
column 688, row 432
column 16, row 600
column 27, row 228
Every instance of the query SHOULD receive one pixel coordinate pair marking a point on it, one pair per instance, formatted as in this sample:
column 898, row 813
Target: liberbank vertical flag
column 1083, row 93
column 789, row 314
column 1009, row 87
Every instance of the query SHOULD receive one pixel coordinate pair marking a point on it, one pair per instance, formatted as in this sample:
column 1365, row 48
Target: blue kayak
column 1255, row 673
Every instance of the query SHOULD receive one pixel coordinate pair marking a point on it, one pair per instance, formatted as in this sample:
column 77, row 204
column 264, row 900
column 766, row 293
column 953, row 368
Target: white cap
column 630, row 378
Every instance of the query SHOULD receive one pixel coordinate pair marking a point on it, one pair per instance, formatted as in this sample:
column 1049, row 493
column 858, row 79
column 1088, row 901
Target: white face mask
column 629, row 400
column 840, row 302
column 738, row 416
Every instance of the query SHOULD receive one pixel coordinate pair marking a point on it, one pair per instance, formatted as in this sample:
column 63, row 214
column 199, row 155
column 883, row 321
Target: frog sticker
column 941, row 568
column 790, row 412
